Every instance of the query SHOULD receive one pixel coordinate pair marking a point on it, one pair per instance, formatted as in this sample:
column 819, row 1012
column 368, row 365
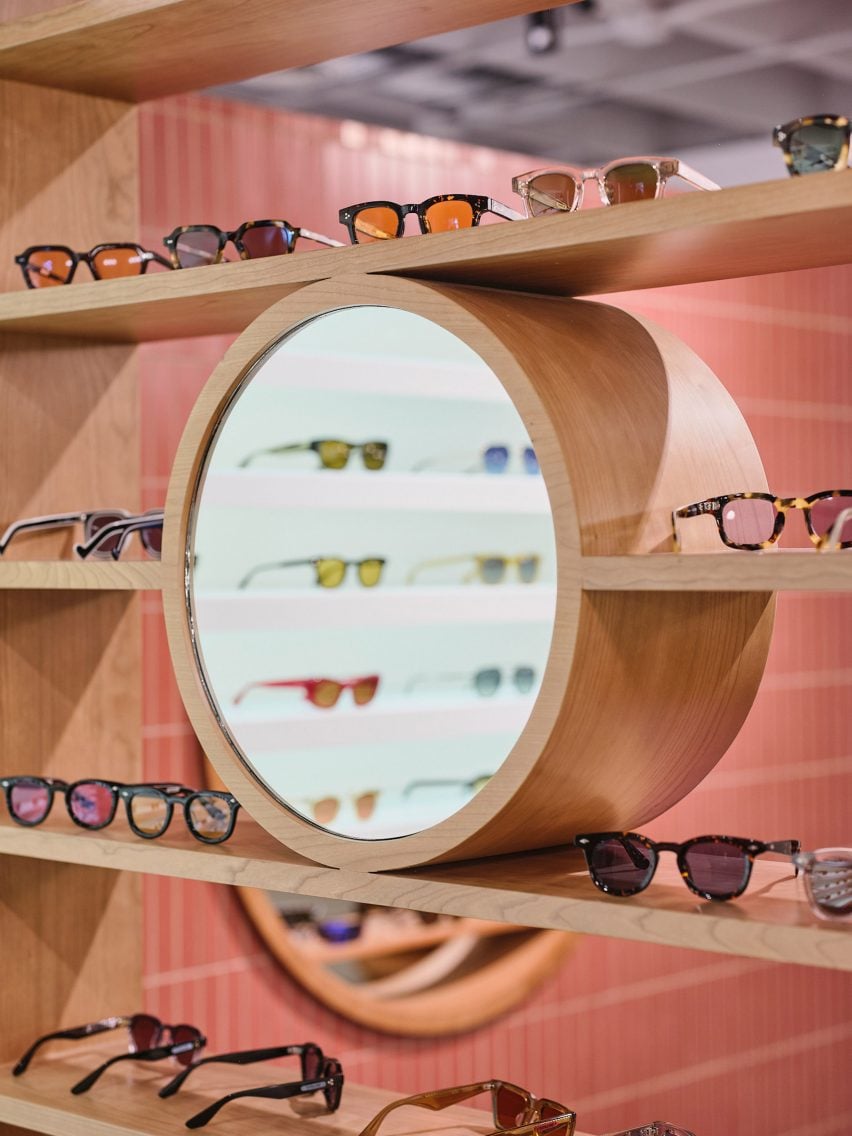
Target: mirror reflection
column 373, row 572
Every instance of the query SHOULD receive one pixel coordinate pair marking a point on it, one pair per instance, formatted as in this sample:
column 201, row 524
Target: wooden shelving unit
column 742, row 231
column 782, row 570
column 74, row 575
column 543, row 889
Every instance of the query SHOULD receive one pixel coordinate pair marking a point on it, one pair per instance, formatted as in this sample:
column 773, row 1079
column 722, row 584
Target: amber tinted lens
column 149, row 812
column 330, row 573
column 365, row 805
column 817, row 147
column 443, row 216
column 376, row 224
column 551, row 193
column 511, row 1107
column 369, row 572
column 198, row 246
column 325, row 693
column 636, row 181
column 209, row 816
column 266, row 240
column 549, row 1110
column 333, row 454
column 364, row 690
column 374, row 454
column 325, row 810
column 49, row 267
column 111, row 263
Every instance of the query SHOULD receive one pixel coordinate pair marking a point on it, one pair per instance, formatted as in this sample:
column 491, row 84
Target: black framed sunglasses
column 210, row 815
column 145, row 1032
column 385, row 220
column 105, row 531
column 45, row 266
column 193, row 245
column 714, row 867
column 813, row 144
column 310, row 1055
column 329, row 1081
column 333, row 453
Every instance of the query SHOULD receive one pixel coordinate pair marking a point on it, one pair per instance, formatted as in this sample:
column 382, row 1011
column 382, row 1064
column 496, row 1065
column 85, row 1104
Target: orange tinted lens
column 511, row 1107
column 551, row 193
column 364, row 690
column 634, row 182
column 365, row 805
column 111, row 263
column 49, row 267
column 376, row 224
column 325, row 693
column 446, row 215
column 549, row 1110
column 326, row 810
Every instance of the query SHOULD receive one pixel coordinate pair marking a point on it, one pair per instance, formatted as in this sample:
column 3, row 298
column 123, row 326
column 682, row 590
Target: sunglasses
column 326, row 809
column 755, row 520
column 310, row 1055
column 714, row 867
column 487, row 569
column 329, row 1081
column 473, row 784
column 385, row 220
column 193, row 245
column 145, row 1033
column 810, row 145
column 45, row 266
column 332, row 452
column 656, row 1128
column 105, row 531
column 321, row 692
column 349, row 927
column 330, row 570
column 827, row 880
column 485, row 682
column 560, row 188
column 495, row 459
column 514, row 1110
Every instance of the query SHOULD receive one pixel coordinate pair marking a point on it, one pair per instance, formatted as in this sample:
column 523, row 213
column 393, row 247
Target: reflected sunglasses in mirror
column 348, row 926
column 385, row 220
column 495, row 459
column 471, row 785
column 514, row 1110
column 330, row 570
column 329, row 1081
column 486, row 681
column 487, row 568
column 714, row 867
column 144, row 1031
column 45, row 266
column 310, row 1055
column 209, row 815
column 193, row 245
column 813, row 144
column 827, row 880
column 559, row 189
column 751, row 521
column 101, row 539
column 321, row 692
column 332, row 452
column 326, row 809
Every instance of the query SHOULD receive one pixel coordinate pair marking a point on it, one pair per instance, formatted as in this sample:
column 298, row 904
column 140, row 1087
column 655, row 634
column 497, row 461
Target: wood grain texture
column 144, row 49
column 75, row 575
column 125, row 1101
column 784, row 570
column 643, row 692
column 744, row 231
column 548, row 889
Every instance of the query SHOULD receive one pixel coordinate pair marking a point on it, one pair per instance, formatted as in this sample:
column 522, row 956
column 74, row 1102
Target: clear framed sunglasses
column 559, row 189
column 105, row 531
column 826, row 876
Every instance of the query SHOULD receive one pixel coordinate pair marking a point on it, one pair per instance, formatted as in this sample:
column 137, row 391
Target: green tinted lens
column 492, row 569
column 818, row 147
column 527, row 569
column 487, row 681
column 524, row 679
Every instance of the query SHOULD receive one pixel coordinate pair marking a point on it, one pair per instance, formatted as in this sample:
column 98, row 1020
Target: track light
column 541, row 33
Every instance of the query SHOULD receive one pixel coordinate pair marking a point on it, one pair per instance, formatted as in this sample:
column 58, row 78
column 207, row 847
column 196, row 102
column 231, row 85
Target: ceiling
column 704, row 80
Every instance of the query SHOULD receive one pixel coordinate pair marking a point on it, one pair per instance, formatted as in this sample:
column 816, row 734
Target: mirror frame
column 588, row 380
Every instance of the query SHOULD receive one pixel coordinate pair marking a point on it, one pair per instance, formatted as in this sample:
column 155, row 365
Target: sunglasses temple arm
column 504, row 211
column 295, row 447
column 269, row 1092
column 69, row 1034
column 319, row 238
column 436, row 563
column 33, row 524
column 694, row 177
column 786, row 848
column 241, row 1057
column 155, row 256
column 132, row 526
column 157, row 1054
column 443, row 1098
column 266, row 567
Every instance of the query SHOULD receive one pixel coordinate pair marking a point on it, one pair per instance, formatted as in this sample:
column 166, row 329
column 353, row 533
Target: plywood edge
column 780, row 570
column 73, row 575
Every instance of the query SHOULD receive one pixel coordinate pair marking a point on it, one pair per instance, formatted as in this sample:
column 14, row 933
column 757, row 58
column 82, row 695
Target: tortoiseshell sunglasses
column 752, row 521
column 385, row 220
column 810, row 145
column 45, row 266
column 193, row 245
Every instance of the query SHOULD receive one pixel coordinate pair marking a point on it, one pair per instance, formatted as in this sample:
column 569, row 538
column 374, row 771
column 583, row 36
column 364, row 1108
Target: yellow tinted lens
column 330, row 572
column 376, row 224
column 326, row 693
column 374, row 454
column 443, row 216
column 369, row 572
column 333, row 454
column 149, row 813
column 551, row 193
column 363, row 691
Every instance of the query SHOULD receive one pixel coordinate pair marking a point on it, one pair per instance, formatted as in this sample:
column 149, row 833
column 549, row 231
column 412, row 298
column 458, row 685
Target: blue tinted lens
column 495, row 459
column 338, row 930
column 530, row 460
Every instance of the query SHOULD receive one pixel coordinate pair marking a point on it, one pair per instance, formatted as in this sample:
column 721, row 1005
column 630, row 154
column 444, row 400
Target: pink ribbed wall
column 626, row 1032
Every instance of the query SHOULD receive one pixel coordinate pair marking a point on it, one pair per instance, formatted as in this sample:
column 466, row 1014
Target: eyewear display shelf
column 70, row 648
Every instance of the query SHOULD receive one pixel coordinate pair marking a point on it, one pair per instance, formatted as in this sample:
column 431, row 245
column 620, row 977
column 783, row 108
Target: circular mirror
column 373, row 565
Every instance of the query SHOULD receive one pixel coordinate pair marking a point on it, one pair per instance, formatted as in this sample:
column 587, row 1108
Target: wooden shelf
column 539, row 889
column 125, row 1102
column 68, row 575
column 783, row 570
column 145, row 49
column 744, row 231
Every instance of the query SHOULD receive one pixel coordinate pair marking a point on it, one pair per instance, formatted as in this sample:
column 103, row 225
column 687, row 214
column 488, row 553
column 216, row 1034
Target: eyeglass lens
column 444, row 216
column 94, row 523
column 266, row 240
column 636, row 181
column 830, row 882
column 511, row 1108
column 817, row 147
column 717, row 868
column 91, row 803
column 612, row 865
column 199, row 246
column 145, row 1032
column 29, row 800
column 748, row 521
column 149, row 811
column 181, row 1035
column 557, row 188
column 825, row 511
column 47, row 268
column 209, row 816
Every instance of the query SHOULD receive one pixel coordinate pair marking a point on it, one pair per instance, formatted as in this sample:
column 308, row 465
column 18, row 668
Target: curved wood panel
column 643, row 691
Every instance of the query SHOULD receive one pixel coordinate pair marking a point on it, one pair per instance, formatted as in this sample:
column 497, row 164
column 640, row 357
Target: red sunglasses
column 322, row 692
